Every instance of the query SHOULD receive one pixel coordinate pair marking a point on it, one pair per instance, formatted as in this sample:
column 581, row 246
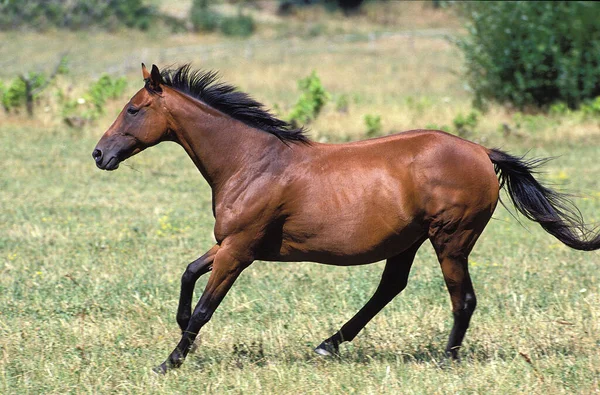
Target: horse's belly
column 343, row 241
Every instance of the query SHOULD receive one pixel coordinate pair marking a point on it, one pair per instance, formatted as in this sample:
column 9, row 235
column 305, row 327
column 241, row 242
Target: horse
column 278, row 196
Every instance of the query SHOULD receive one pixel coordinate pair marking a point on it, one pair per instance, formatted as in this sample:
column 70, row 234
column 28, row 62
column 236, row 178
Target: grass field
column 90, row 261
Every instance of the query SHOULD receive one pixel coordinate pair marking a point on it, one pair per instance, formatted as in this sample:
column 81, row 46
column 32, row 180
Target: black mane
column 204, row 85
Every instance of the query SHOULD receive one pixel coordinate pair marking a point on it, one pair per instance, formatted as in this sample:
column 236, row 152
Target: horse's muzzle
column 111, row 164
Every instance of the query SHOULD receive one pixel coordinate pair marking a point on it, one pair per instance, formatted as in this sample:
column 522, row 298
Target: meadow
column 90, row 261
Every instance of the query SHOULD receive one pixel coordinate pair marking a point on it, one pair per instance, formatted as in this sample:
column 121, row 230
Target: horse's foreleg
column 192, row 273
column 393, row 281
column 225, row 270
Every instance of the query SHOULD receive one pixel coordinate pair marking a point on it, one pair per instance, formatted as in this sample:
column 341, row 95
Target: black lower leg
column 462, row 318
column 178, row 355
column 393, row 281
column 192, row 273
column 226, row 269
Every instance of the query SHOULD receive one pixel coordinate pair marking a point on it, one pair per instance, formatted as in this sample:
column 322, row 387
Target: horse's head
column 142, row 123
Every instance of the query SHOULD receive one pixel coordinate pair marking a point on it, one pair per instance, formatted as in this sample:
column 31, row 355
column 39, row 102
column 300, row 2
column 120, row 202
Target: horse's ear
column 154, row 80
column 145, row 72
column 155, row 76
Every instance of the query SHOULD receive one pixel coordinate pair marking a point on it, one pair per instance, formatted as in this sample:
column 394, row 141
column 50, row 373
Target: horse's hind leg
column 463, row 300
column 393, row 281
column 453, row 247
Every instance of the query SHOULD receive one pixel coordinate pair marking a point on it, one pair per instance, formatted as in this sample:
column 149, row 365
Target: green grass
column 90, row 261
column 90, row 266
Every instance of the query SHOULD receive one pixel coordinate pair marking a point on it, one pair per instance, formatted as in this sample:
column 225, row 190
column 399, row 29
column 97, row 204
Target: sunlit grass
column 90, row 261
column 90, row 274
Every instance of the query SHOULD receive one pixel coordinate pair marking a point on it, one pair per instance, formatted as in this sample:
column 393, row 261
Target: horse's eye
column 132, row 110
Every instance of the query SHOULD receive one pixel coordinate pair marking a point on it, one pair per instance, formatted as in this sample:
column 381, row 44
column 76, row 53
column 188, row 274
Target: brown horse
column 278, row 196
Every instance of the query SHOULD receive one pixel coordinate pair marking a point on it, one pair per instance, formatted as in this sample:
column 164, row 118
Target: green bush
column 106, row 88
column 91, row 106
column 532, row 53
column 591, row 108
column 373, row 124
column 42, row 14
column 559, row 108
column 465, row 124
column 312, row 99
column 240, row 25
column 203, row 18
column 14, row 95
column 348, row 6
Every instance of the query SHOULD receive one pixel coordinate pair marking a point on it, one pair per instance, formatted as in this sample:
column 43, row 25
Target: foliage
column 348, row 6
column 591, row 108
column 465, row 124
column 92, row 104
column 203, row 18
column 240, row 25
column 313, row 97
column 27, row 87
column 106, row 88
column 14, row 95
column 558, row 108
column 373, row 124
column 532, row 53
column 76, row 15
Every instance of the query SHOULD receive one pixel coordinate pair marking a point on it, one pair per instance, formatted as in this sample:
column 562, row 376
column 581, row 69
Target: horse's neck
column 219, row 145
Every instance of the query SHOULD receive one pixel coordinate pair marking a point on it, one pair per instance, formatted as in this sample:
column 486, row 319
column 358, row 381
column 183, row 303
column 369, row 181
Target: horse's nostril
column 97, row 154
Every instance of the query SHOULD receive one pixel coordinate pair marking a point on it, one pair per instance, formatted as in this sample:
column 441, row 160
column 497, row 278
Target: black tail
column 551, row 209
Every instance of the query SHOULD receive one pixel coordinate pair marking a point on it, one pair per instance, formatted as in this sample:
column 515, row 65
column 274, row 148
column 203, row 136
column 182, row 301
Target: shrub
column 29, row 86
column 348, row 6
column 203, row 18
column 105, row 88
column 373, row 124
column 591, row 108
column 76, row 112
column 532, row 53
column 240, row 25
column 558, row 108
column 13, row 95
column 17, row 94
column 41, row 14
column 465, row 124
column 312, row 99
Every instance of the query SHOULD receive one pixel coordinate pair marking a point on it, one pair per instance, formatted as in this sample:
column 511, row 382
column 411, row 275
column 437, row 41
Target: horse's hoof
column 448, row 362
column 161, row 369
column 327, row 349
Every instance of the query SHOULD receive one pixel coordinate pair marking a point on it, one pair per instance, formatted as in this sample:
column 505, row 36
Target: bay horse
column 277, row 196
